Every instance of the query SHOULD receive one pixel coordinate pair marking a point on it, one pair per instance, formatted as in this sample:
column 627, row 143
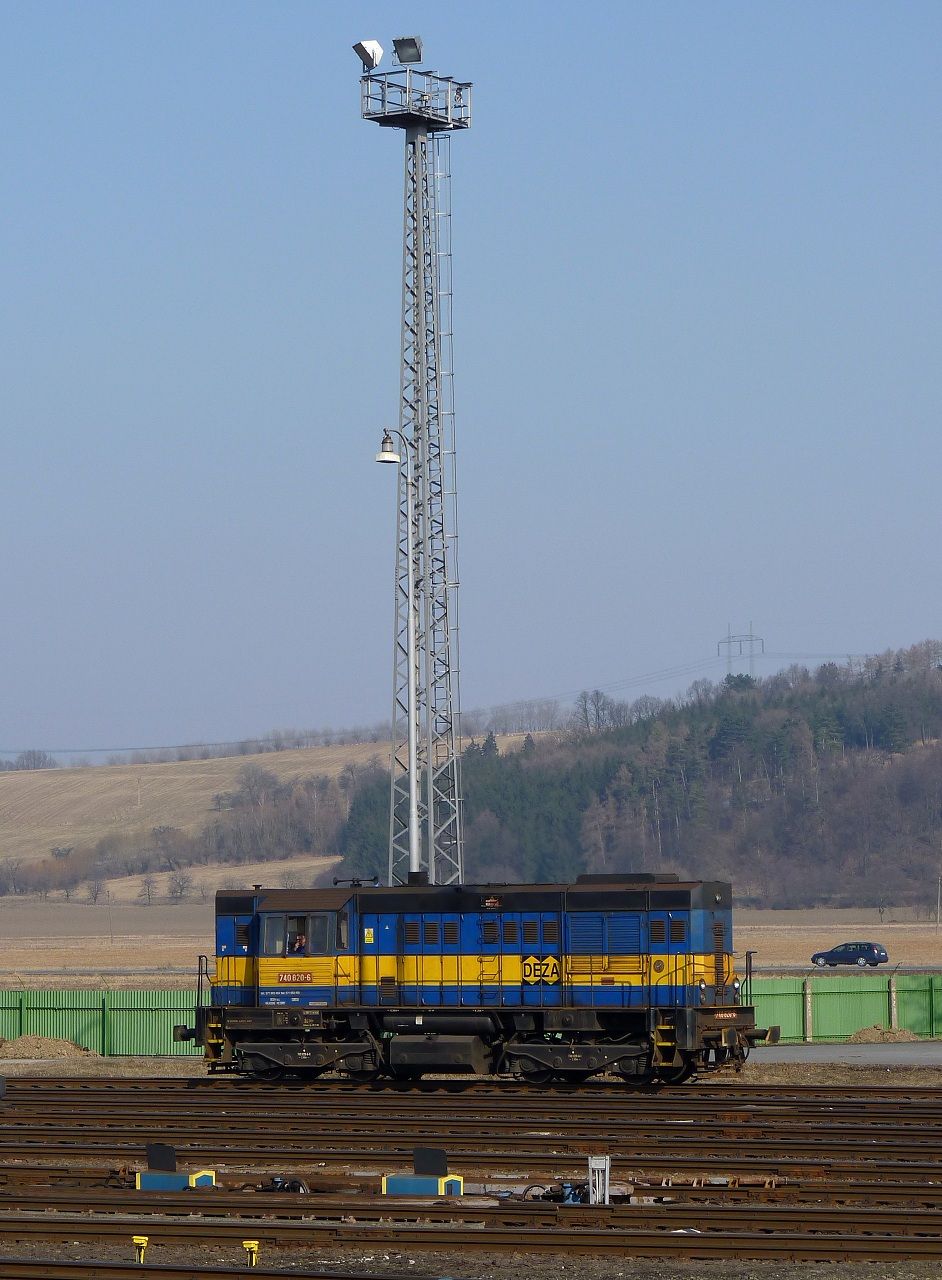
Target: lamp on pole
column 387, row 453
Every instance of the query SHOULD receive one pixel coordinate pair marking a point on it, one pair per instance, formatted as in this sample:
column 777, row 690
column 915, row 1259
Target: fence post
column 894, row 1009
column 932, row 1004
column 809, row 1014
column 105, row 1023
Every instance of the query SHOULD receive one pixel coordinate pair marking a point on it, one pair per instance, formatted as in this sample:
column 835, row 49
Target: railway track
column 223, row 1085
column 268, row 1212
column 62, row 1269
column 856, row 1239
column 718, row 1172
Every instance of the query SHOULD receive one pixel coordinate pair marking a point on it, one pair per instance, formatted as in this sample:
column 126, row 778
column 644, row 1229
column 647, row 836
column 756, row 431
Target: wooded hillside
column 802, row 788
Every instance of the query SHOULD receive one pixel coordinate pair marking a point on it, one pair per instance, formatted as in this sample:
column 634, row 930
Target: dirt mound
column 881, row 1035
column 42, row 1047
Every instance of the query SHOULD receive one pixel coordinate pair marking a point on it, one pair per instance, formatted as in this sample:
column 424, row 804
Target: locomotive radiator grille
column 719, row 957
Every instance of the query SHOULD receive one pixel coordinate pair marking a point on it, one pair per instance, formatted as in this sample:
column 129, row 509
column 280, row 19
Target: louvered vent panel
column 412, row 931
column 430, row 933
column 550, row 930
column 490, row 931
column 388, row 991
column 585, row 933
column 678, row 930
column 624, row 935
column 243, row 935
column 450, row 930
column 510, row 933
column 719, row 956
column 531, row 932
column 658, row 930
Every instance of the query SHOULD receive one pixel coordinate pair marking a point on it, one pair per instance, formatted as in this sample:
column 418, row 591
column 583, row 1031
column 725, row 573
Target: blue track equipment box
column 163, row 1180
column 419, row 1184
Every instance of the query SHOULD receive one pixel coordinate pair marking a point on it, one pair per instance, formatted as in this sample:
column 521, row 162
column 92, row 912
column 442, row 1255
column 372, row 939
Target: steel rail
column 754, row 1094
column 254, row 1142
column 633, row 1243
column 62, row 1269
column 576, row 1109
column 98, row 1180
column 533, row 1166
column 643, row 1215
column 496, row 1130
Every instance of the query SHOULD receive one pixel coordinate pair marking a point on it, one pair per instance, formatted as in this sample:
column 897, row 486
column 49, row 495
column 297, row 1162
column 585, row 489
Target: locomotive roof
column 585, row 893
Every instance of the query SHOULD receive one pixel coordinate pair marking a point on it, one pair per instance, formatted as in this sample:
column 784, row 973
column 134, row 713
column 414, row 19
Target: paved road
column 923, row 1053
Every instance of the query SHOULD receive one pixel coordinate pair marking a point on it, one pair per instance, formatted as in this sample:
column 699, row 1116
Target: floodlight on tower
column 370, row 53
column 408, row 49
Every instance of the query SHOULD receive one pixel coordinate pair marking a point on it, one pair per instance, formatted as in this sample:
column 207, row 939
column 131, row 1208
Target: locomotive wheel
column 640, row 1081
column 572, row 1077
column 536, row 1075
column 677, row 1075
column 270, row 1073
column 365, row 1077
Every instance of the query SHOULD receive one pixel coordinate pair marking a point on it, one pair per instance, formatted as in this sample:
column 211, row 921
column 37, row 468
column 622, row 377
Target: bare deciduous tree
column 179, row 886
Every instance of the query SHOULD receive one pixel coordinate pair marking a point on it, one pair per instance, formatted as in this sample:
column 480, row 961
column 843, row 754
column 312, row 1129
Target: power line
column 628, row 682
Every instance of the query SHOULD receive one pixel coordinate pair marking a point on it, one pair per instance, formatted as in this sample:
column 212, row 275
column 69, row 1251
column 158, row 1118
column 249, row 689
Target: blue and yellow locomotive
column 629, row 974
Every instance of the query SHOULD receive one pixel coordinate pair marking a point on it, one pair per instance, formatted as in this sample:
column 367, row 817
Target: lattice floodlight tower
column 425, row 816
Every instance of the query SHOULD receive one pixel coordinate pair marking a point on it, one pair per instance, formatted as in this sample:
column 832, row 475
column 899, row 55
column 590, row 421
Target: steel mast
column 428, row 108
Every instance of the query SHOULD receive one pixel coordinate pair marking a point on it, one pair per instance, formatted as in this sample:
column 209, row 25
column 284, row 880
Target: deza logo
column 541, row 969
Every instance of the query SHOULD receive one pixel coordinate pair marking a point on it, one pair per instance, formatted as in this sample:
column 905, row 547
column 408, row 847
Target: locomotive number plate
column 541, row 969
column 295, row 977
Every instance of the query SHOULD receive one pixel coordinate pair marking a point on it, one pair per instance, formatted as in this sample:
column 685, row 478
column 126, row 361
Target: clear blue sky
column 698, row 333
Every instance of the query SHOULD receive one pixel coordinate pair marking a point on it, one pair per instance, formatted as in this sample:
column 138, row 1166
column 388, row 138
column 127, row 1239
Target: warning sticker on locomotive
column 541, row 969
column 367, row 935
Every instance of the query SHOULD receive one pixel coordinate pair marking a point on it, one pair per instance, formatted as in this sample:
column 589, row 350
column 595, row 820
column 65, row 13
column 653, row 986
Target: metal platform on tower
column 407, row 98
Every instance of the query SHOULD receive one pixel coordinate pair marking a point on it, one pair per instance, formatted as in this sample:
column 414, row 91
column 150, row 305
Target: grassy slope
column 47, row 807
column 78, row 806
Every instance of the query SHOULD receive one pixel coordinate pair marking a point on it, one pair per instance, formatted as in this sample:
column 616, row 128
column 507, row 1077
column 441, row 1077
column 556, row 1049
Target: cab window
column 273, row 935
column 319, row 933
column 296, row 939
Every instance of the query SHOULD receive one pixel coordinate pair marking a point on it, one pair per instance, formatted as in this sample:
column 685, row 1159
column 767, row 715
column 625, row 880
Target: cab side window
column 273, row 935
column 319, row 933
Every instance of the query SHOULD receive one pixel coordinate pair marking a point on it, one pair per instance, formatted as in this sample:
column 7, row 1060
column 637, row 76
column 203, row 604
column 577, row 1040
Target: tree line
column 805, row 787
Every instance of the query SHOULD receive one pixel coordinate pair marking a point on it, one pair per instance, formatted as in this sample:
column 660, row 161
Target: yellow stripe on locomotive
column 511, row 971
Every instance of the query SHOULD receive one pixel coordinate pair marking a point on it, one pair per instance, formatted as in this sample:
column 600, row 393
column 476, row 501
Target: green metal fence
column 108, row 1022
column 834, row 1008
column 140, row 1023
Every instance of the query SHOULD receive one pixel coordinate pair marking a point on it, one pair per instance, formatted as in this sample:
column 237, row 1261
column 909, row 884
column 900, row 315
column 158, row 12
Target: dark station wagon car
column 860, row 953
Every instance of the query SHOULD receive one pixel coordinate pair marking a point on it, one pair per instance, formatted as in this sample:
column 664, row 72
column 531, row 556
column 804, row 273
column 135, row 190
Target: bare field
column 292, row 873
column 42, row 808
column 125, row 944
column 58, row 944
column 47, row 807
column 791, row 937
